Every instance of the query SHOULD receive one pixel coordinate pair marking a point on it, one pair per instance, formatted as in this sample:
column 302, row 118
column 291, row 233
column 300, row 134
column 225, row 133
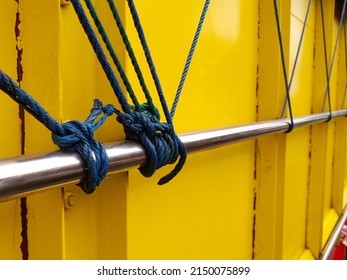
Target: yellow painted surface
column 306, row 255
column 298, row 141
column 101, row 233
column 295, row 201
column 329, row 223
column 162, row 221
column 10, row 219
column 42, row 78
column 276, row 197
column 338, row 178
column 270, row 150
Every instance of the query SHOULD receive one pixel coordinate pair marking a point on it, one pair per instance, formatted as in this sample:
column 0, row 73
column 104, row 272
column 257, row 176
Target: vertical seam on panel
column 256, row 146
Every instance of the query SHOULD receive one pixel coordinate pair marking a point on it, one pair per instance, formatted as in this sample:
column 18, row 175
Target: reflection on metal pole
column 25, row 175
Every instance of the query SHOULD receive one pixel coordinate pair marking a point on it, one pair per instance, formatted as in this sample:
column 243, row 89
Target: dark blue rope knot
column 161, row 145
column 141, row 122
column 77, row 136
column 73, row 136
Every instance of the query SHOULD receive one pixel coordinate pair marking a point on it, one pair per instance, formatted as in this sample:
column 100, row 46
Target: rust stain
column 23, row 202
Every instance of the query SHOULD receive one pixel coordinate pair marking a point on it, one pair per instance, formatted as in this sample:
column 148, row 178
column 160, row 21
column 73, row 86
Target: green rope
column 131, row 53
column 112, row 53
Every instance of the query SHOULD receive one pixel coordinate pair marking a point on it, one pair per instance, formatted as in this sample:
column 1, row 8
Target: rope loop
column 72, row 136
column 161, row 145
column 77, row 136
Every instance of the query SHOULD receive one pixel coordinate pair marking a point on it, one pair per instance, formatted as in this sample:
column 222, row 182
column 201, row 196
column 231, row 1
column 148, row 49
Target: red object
column 339, row 251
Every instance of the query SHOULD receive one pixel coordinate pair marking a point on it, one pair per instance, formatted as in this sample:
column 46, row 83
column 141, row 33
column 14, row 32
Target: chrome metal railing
column 22, row 176
column 334, row 236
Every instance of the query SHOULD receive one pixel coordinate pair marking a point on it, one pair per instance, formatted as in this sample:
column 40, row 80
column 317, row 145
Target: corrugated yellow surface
column 298, row 142
column 276, row 197
column 162, row 221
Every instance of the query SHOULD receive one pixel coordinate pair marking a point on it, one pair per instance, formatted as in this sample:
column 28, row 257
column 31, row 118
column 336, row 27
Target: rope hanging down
column 73, row 136
column 141, row 122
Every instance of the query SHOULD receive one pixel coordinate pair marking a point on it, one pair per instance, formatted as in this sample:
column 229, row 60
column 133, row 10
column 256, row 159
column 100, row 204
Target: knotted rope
column 141, row 122
column 73, row 136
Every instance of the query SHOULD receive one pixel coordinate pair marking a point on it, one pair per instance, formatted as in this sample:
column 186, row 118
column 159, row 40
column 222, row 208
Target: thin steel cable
column 297, row 54
column 327, row 92
column 284, row 68
column 189, row 58
column 179, row 148
column 325, row 56
column 159, row 140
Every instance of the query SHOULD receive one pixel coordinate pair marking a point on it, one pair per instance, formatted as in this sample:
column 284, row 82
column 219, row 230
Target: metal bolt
column 65, row 2
column 69, row 200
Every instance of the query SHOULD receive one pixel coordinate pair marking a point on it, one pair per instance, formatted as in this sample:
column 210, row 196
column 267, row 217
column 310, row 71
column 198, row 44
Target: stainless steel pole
column 335, row 235
column 22, row 176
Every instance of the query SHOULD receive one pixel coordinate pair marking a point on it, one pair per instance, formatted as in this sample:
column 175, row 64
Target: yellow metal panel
column 326, row 148
column 94, row 227
column 328, row 169
column 207, row 210
column 295, row 201
column 41, row 66
column 330, row 220
column 316, row 185
column 10, row 215
column 339, row 160
column 298, row 141
column 163, row 223
column 298, row 11
column 270, row 151
column 306, row 255
column 8, row 57
column 330, row 215
column 301, row 90
column 277, row 197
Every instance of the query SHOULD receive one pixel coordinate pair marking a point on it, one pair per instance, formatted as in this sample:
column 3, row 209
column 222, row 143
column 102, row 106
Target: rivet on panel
column 65, row 2
column 69, row 200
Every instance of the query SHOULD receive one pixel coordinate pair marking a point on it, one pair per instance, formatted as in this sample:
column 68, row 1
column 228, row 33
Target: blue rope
column 161, row 144
column 149, row 59
column 131, row 55
column 112, row 53
column 73, row 136
column 189, row 58
column 101, row 55
column 179, row 148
